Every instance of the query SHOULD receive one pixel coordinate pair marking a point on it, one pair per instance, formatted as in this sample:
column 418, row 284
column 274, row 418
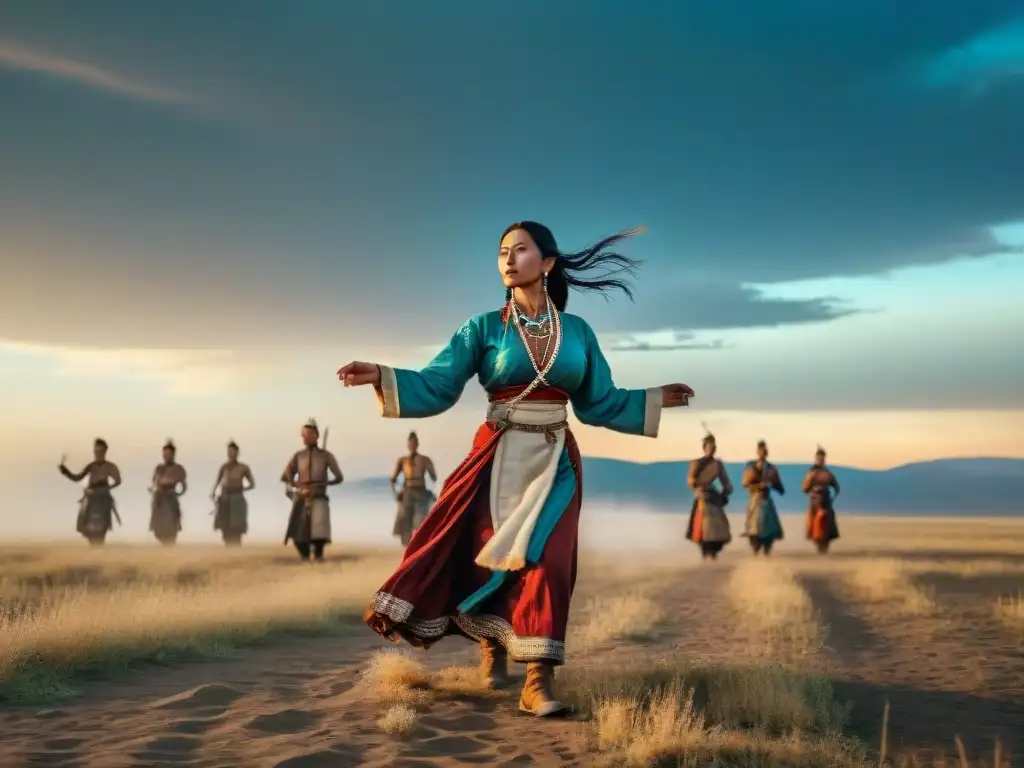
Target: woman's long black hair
column 569, row 267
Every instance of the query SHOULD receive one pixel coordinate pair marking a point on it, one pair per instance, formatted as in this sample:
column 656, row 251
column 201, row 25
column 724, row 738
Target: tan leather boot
column 537, row 697
column 493, row 664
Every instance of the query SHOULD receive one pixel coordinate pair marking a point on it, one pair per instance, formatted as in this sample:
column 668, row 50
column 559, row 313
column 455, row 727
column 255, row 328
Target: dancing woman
column 495, row 560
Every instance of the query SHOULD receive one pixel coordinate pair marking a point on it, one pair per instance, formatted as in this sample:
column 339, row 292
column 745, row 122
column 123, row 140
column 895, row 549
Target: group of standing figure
column 709, row 526
column 307, row 476
column 97, row 509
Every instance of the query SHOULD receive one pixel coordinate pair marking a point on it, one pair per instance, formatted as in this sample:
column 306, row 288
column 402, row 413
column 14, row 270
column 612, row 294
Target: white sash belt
column 525, row 464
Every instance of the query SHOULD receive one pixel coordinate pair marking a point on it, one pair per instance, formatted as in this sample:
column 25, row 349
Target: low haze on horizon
column 205, row 213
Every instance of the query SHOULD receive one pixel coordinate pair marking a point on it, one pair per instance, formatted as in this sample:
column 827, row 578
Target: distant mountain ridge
column 976, row 486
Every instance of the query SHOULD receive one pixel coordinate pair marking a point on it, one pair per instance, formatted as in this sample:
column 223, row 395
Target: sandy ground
column 950, row 668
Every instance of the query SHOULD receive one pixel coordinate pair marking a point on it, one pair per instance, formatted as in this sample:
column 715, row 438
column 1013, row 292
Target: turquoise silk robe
column 492, row 350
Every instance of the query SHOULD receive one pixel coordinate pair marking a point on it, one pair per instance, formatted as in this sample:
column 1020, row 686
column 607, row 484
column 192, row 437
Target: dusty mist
column 359, row 518
column 364, row 519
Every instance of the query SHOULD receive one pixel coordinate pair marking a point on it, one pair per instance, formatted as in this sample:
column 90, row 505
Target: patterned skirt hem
column 389, row 617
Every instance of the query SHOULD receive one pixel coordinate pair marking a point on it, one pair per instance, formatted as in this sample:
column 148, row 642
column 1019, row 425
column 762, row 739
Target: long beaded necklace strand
column 542, row 357
column 541, row 377
column 538, row 329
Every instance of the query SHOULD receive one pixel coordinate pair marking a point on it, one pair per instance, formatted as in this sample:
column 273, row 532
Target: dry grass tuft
column 57, row 625
column 461, row 681
column 399, row 720
column 1010, row 611
column 404, row 684
column 888, row 583
column 394, row 677
column 676, row 713
column 633, row 616
column 776, row 610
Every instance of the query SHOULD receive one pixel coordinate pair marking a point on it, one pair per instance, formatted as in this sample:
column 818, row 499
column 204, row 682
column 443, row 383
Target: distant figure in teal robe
column 763, row 526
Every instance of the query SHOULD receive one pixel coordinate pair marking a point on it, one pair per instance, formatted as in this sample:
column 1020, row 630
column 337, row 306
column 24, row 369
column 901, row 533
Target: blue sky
column 206, row 208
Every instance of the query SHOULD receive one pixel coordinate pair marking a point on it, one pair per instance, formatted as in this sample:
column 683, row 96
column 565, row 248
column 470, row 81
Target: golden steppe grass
column 991, row 537
column 77, row 612
column 68, row 611
column 1011, row 611
column 775, row 609
column 889, row 583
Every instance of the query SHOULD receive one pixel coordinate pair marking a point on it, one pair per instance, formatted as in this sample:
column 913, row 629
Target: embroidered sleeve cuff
column 652, row 412
column 387, row 393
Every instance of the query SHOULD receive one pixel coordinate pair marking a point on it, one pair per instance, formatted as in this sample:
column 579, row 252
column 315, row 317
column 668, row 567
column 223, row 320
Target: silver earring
column 545, row 282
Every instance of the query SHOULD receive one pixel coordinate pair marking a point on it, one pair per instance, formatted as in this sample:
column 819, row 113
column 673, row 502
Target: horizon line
column 782, row 463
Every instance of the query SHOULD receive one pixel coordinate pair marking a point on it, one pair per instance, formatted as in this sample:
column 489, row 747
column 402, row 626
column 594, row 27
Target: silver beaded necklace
column 541, row 375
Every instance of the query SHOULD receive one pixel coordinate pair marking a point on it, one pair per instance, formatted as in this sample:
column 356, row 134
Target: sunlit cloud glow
column 190, row 373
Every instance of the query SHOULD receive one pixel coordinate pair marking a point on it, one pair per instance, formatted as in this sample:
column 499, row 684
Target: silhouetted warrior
column 96, row 508
column 231, row 513
column 760, row 477
column 709, row 527
column 821, row 487
column 168, row 485
column 305, row 476
column 414, row 500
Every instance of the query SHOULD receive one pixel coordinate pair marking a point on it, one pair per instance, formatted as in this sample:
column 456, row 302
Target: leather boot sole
column 544, row 710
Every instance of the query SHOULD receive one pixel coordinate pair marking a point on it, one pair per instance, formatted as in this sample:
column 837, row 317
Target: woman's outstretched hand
column 675, row 396
column 357, row 374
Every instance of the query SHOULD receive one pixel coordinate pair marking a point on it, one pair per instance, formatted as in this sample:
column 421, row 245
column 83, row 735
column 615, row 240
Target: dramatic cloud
column 704, row 305
column 21, row 57
column 761, row 143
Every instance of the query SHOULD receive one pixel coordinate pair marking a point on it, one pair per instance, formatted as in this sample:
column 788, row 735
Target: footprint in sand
column 194, row 727
column 455, row 746
column 461, row 724
column 287, row 721
column 168, row 750
column 55, row 759
column 325, row 758
column 204, row 697
column 298, row 673
column 61, row 745
column 340, row 687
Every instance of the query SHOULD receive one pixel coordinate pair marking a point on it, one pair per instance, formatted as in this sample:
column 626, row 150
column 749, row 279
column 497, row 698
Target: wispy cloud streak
column 23, row 58
column 991, row 57
column 657, row 342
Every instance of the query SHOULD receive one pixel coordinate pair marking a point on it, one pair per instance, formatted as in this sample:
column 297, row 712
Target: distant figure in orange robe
column 821, row 487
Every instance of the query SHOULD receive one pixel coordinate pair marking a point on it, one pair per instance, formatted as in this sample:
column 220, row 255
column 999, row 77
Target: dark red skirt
column 821, row 524
column 695, row 527
column 529, row 612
